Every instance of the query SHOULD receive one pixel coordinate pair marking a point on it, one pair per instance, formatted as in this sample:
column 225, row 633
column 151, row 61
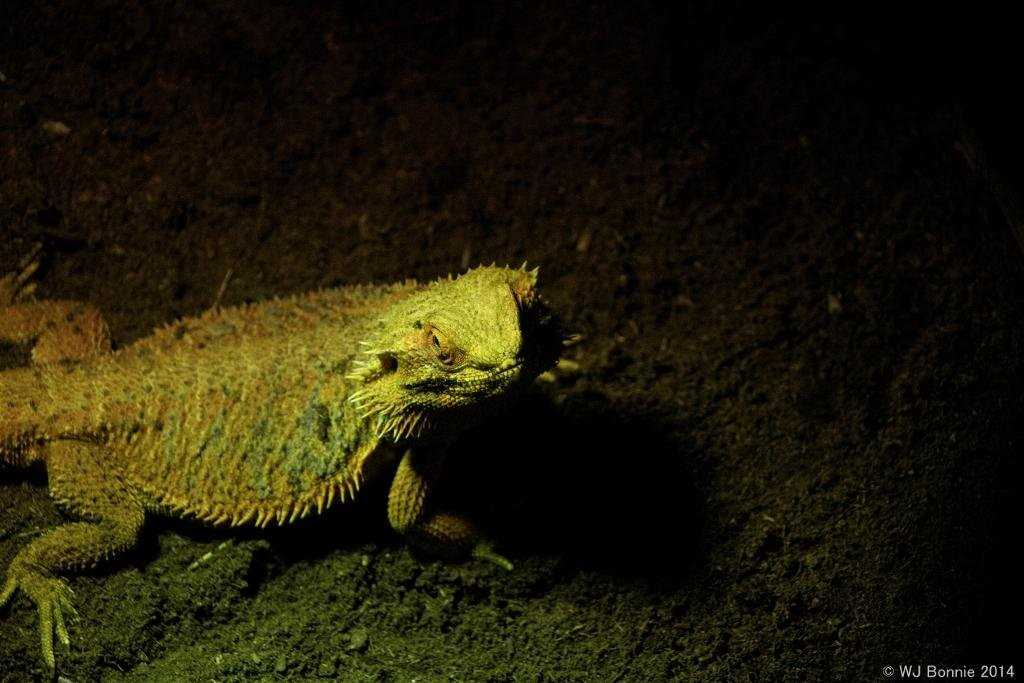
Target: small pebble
column 56, row 127
column 328, row 667
column 358, row 639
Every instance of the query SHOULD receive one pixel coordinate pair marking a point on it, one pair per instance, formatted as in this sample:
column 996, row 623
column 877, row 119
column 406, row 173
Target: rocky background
column 791, row 450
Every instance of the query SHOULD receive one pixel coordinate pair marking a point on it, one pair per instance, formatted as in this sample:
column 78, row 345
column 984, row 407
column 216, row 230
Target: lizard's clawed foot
column 15, row 287
column 484, row 551
column 53, row 599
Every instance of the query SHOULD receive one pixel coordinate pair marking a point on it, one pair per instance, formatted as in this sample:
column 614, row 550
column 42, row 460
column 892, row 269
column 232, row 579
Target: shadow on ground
column 592, row 480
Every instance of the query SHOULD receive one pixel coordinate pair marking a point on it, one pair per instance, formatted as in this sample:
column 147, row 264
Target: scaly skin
column 257, row 414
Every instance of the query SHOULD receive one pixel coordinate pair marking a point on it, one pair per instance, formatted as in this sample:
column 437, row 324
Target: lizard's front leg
column 83, row 480
column 443, row 533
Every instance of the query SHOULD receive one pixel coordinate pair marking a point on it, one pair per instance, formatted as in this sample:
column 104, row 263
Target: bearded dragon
column 258, row 414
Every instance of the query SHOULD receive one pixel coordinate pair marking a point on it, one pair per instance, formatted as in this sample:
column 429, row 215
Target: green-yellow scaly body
column 256, row 414
column 239, row 415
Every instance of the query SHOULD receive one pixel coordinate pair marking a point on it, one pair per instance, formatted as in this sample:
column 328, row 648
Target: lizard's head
column 456, row 345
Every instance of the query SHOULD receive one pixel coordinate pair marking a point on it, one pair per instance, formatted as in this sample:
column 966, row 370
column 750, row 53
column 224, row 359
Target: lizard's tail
column 22, row 422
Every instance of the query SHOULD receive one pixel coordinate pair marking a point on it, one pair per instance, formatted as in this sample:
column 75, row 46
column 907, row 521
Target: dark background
column 788, row 235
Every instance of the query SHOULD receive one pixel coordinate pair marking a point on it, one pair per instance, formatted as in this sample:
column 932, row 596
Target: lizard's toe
column 53, row 600
column 10, row 585
column 484, row 551
column 63, row 612
column 15, row 287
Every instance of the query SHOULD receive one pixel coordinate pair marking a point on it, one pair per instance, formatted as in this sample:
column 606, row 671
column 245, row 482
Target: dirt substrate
column 792, row 444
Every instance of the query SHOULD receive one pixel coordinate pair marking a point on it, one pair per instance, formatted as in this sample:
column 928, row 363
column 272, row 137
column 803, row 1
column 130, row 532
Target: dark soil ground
column 791, row 450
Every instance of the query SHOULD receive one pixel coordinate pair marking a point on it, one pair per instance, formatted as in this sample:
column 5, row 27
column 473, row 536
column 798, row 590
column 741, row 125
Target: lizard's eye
column 444, row 354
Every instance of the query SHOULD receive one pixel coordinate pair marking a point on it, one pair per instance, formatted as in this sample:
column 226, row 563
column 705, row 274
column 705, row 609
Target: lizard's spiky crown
column 457, row 344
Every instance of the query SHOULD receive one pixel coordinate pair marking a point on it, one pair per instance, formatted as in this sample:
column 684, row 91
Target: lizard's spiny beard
column 382, row 400
column 392, row 416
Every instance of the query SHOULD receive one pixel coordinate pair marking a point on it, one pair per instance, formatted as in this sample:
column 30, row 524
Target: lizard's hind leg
column 60, row 330
column 85, row 482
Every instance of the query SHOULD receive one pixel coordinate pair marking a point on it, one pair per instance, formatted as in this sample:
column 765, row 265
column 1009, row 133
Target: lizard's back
column 235, row 415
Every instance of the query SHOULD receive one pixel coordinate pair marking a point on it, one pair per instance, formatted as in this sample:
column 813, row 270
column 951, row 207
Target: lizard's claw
column 15, row 287
column 484, row 551
column 53, row 599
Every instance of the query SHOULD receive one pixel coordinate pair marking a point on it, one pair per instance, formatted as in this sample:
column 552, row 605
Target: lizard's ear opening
column 388, row 363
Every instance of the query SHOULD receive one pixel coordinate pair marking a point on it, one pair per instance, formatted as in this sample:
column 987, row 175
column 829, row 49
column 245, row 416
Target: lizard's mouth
column 495, row 381
column 509, row 368
column 483, row 383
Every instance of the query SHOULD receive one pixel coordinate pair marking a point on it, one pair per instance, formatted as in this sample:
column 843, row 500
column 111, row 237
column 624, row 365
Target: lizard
column 257, row 414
